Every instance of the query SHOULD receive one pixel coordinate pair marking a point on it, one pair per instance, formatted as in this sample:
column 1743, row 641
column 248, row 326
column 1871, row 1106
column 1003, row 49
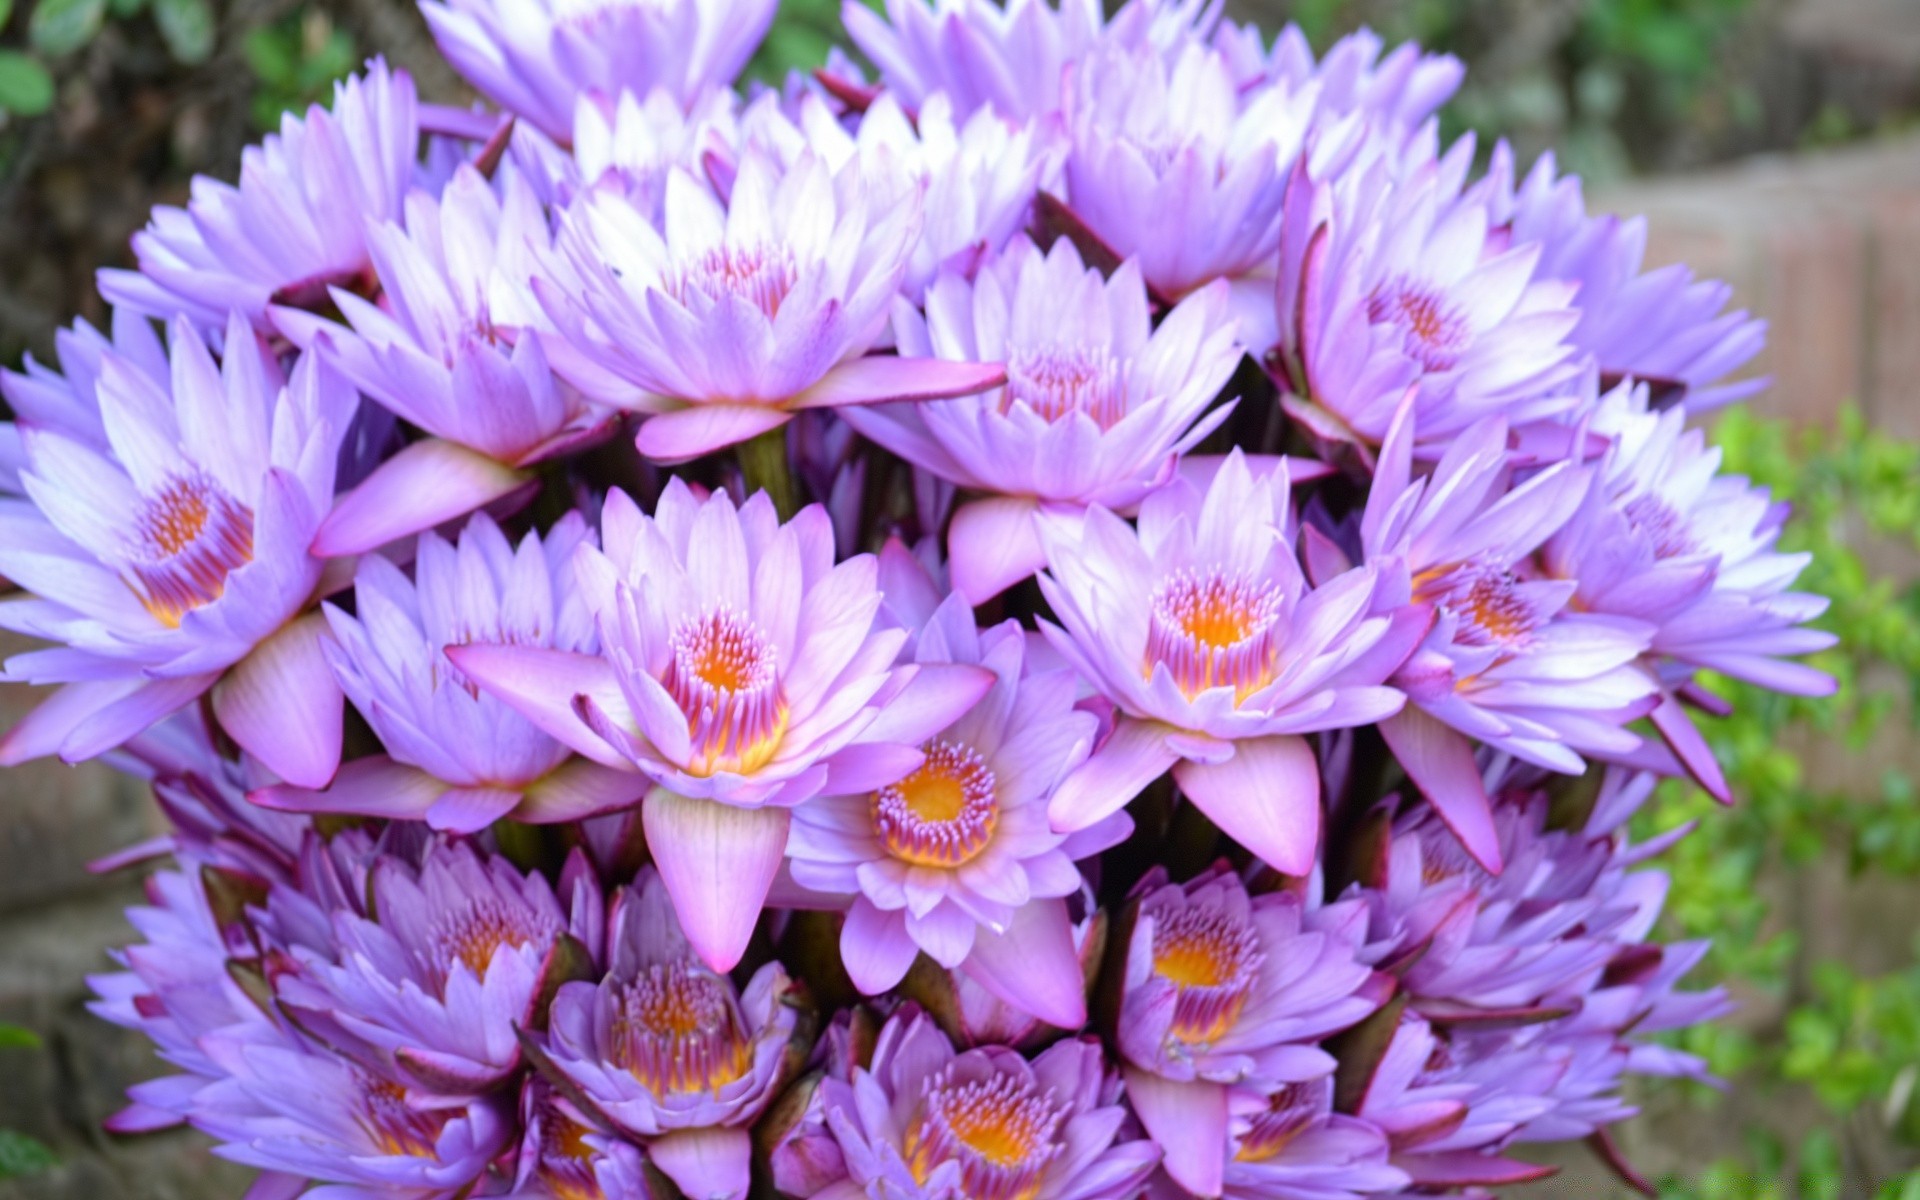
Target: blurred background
column 1773, row 143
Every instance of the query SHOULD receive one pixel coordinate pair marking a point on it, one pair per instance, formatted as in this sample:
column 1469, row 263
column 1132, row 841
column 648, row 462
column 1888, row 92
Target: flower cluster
column 1079, row 617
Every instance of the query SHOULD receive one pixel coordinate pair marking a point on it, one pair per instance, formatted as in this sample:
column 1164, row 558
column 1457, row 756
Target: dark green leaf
column 13, row 1037
column 62, row 26
column 25, row 86
column 187, row 26
column 21, row 1155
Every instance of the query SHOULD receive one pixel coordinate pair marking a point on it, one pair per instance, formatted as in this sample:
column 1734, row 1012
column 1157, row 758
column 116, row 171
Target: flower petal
column 1440, row 761
column 1133, row 756
column 992, row 545
column 1034, row 965
column 426, row 483
column 1189, row 1121
column 282, row 704
column 1266, row 797
column 718, row 863
column 687, row 433
column 879, row 378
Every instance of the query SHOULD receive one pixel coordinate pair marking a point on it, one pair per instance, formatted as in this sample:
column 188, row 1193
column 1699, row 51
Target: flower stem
column 764, row 465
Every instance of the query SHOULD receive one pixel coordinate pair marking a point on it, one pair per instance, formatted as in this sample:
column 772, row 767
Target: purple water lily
column 1291, row 1145
column 174, row 556
column 297, row 223
column 1098, row 407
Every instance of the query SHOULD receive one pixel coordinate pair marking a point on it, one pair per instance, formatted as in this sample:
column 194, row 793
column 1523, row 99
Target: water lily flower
column 1098, row 406
column 450, row 348
column 922, row 1122
column 1203, row 632
column 743, row 672
column 175, row 556
column 725, row 319
column 538, row 59
column 295, row 226
column 1224, row 989
column 669, row 1051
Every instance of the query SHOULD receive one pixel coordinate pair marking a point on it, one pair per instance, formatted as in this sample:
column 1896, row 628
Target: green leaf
column 187, row 26
column 6, row 10
column 124, row 10
column 25, row 87
column 13, row 1037
column 62, row 26
column 21, row 1155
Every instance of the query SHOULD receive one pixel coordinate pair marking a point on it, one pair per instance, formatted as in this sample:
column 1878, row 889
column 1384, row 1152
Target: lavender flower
column 921, row 1122
column 178, row 550
column 976, row 52
column 668, row 1050
column 1202, row 631
column 450, row 349
column 1291, row 1145
column 537, row 60
column 67, row 400
column 1225, row 989
column 741, row 671
column 1098, row 406
column 563, row 1159
column 727, row 318
column 295, row 226
column 957, row 859
column 459, row 758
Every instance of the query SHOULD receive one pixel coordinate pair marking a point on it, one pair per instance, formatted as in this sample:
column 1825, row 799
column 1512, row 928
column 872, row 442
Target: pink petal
column 282, row 704
column 580, row 788
column 876, row 947
column 469, row 810
column 418, row 488
column 365, row 787
column 43, row 731
column 540, row 684
column 710, row 1163
column 1134, row 756
column 274, row 1185
column 1440, row 762
column 937, row 695
column 1189, row 1122
column 688, row 433
column 1266, row 797
column 1033, row 966
column 992, row 545
column 1458, row 1168
column 880, row 378
column 1683, row 738
column 718, row 863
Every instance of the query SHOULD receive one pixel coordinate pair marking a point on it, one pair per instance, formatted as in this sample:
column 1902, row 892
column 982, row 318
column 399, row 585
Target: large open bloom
column 957, row 859
column 297, row 223
column 1098, row 406
column 1510, row 661
column 1665, row 539
column 742, row 671
column 727, row 317
column 449, row 349
column 453, row 957
column 1225, row 989
column 1202, row 630
column 668, row 1050
column 921, row 1122
column 457, row 757
column 178, row 550
column 538, row 58
column 1291, row 1145
column 1395, row 283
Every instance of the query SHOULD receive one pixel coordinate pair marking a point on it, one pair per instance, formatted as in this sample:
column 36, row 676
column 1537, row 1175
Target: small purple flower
column 1399, row 91
column 1098, row 407
column 923, row 1123
column 1391, row 284
column 1662, row 327
column 728, row 316
column 538, row 58
column 1663, row 538
column 1171, row 163
column 957, row 859
column 176, row 550
column 459, row 758
column 1202, row 630
column 1291, row 1145
column 67, row 400
column 562, row 1158
column 297, row 223
column 448, row 963
column 742, row 671
column 976, row 52
column 1225, row 989
column 668, row 1050
column 1509, row 661
column 289, row 1107
column 450, row 348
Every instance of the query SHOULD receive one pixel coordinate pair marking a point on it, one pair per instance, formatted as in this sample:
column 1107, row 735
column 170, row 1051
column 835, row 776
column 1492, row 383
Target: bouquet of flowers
column 1072, row 609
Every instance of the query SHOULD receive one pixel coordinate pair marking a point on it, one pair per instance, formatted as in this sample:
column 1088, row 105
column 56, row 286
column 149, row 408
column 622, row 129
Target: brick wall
column 1827, row 247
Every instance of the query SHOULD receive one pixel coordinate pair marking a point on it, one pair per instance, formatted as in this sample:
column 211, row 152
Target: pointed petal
column 580, row 788
column 710, row 1163
column 1266, row 797
column 1133, row 756
column 1684, row 739
column 469, row 810
column 418, row 488
column 540, row 685
column 718, row 863
column 876, row 948
column 1189, row 1121
column 688, row 433
column 283, row 704
column 1440, row 761
column 365, row 787
column 1034, row 965
column 992, row 545
column 879, row 378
